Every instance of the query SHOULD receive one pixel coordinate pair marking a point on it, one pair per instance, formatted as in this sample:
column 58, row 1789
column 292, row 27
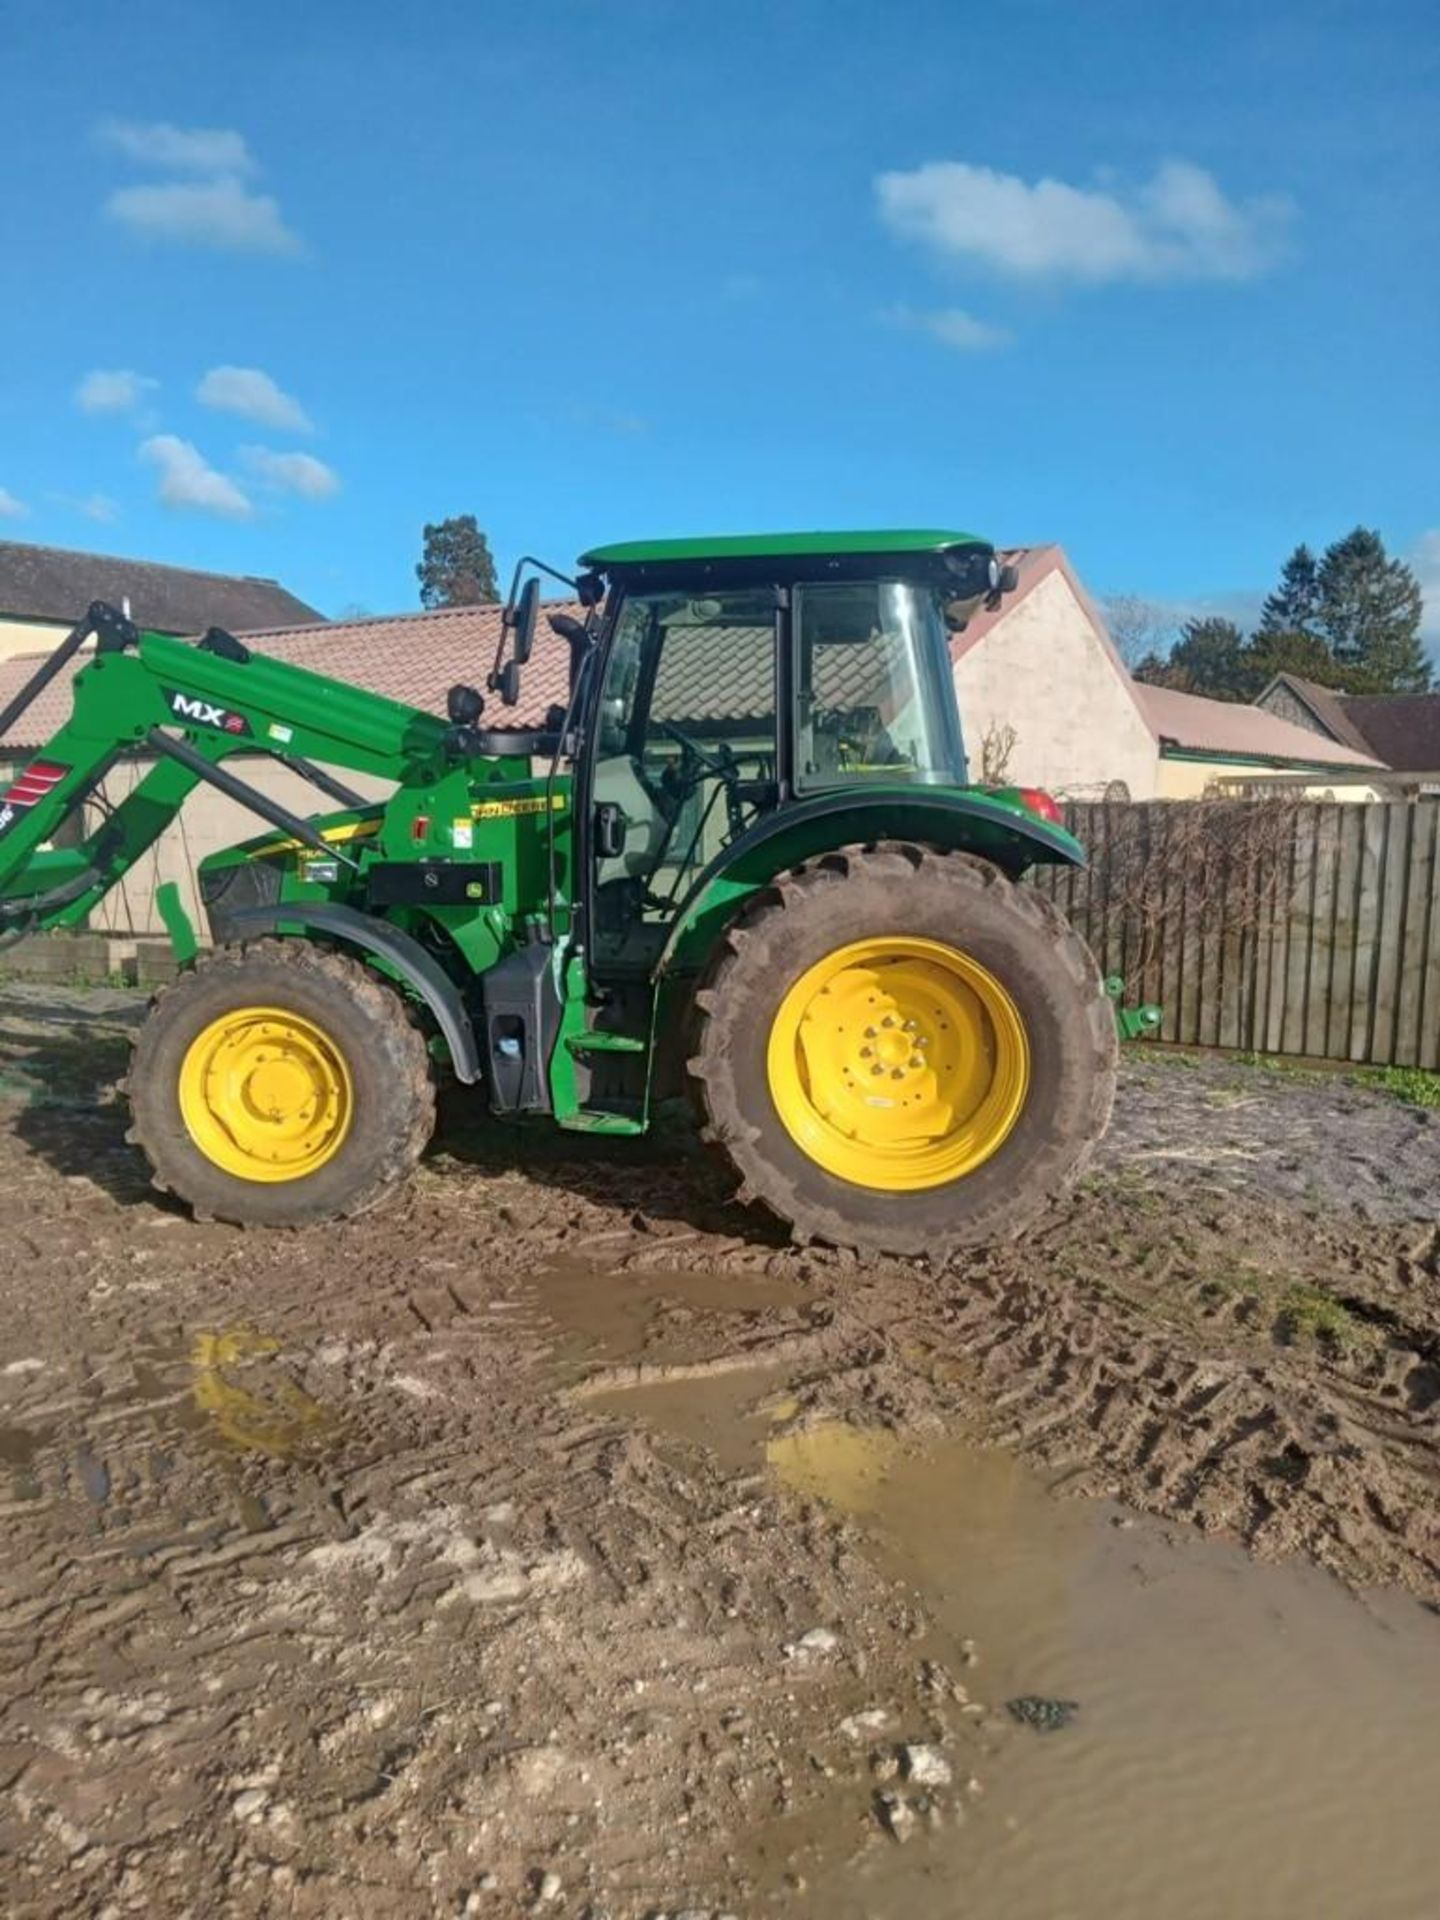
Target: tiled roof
column 52, row 583
column 1196, row 725
column 1402, row 729
column 1328, row 707
column 418, row 657
column 414, row 657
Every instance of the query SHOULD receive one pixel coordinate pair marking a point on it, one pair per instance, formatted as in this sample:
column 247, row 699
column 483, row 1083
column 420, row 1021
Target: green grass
column 1309, row 1313
column 1414, row 1086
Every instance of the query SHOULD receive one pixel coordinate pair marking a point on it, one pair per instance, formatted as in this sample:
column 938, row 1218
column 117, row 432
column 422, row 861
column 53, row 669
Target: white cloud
column 222, row 213
column 298, row 473
column 10, row 507
column 180, row 149
column 1178, row 225
column 248, row 391
column 96, row 506
column 116, row 391
column 1425, row 559
column 952, row 327
column 188, row 480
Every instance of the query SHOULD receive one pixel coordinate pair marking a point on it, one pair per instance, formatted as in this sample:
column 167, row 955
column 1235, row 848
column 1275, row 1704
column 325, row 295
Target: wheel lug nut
column 877, row 1068
column 896, row 1073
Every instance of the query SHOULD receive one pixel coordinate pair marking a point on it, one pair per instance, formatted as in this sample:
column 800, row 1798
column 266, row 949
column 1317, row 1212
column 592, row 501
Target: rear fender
column 1008, row 837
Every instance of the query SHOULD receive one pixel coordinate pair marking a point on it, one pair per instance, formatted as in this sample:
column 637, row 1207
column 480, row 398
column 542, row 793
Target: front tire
column 901, row 1051
column 279, row 1084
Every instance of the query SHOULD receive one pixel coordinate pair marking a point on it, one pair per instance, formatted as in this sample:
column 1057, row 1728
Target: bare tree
column 1170, row 872
column 997, row 743
column 1138, row 627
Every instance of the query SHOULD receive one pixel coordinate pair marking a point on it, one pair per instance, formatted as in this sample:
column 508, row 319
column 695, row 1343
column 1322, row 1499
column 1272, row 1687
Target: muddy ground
column 337, row 1578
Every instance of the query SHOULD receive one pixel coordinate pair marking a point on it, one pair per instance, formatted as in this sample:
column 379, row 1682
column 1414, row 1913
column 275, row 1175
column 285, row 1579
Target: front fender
column 396, row 948
column 969, row 822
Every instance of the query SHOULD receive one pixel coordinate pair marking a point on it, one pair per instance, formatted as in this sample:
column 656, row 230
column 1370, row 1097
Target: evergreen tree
column 457, row 569
column 1306, row 655
column 1294, row 607
column 1210, row 657
column 1370, row 610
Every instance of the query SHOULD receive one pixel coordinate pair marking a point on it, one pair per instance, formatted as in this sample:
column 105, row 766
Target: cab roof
column 741, row 547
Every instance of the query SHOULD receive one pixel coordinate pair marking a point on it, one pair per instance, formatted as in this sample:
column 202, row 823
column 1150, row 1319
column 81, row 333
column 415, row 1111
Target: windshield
column 873, row 686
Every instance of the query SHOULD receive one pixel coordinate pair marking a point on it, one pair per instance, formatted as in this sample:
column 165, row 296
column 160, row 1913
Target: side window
column 863, row 686
column 686, row 749
column 622, row 677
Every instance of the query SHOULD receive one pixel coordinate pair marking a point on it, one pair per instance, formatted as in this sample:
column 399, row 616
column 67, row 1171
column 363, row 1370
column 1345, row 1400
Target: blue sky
column 1160, row 282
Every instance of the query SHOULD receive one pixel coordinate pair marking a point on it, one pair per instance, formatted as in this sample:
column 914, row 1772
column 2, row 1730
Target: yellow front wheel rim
column 266, row 1095
column 898, row 1063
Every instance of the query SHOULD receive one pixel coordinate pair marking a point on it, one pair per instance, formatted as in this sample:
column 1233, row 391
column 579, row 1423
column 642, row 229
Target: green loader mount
column 744, row 860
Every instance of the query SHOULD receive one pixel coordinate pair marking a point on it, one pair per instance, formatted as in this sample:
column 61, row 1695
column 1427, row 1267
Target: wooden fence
column 1275, row 925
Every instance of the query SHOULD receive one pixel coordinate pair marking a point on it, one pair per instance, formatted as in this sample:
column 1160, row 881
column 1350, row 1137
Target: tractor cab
column 735, row 678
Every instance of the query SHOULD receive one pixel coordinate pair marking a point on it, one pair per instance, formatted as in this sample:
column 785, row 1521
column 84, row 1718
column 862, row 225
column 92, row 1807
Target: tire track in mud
column 463, row 1623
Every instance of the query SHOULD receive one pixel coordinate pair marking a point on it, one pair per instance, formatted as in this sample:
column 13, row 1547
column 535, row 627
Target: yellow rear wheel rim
column 266, row 1095
column 898, row 1063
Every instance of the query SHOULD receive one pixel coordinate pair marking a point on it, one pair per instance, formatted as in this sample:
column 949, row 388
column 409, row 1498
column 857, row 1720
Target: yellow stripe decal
column 349, row 830
column 508, row 809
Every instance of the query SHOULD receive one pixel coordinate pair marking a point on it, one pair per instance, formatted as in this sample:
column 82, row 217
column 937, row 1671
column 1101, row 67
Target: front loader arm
column 191, row 706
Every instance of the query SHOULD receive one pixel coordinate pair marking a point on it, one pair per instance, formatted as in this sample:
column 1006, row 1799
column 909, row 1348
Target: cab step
column 597, row 1040
column 593, row 1120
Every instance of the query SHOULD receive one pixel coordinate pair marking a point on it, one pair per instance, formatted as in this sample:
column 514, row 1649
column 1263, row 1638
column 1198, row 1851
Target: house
column 45, row 590
column 1403, row 730
column 1041, row 673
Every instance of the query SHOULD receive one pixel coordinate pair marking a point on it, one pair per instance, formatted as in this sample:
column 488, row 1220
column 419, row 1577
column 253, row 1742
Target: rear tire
column 1038, row 1115
column 346, row 1064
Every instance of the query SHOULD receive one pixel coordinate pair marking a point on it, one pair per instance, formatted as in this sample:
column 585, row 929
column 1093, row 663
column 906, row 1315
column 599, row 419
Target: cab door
column 684, row 758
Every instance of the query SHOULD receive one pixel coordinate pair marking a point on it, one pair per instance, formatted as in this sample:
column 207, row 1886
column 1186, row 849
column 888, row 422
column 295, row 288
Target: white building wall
column 29, row 636
column 207, row 822
column 1043, row 670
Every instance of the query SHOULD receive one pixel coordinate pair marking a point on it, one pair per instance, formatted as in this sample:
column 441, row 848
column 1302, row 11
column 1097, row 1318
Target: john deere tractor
column 744, row 860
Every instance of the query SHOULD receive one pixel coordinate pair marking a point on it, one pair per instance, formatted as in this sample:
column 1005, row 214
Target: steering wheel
column 722, row 765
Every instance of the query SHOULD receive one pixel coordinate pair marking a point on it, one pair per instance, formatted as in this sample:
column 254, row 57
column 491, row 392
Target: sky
column 1161, row 282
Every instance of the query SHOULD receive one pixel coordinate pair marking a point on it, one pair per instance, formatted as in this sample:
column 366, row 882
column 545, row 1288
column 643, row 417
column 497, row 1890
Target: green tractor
column 743, row 860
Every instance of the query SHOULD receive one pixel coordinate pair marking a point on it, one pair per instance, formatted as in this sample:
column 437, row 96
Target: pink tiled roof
column 418, row 657
column 414, row 657
column 1197, row 725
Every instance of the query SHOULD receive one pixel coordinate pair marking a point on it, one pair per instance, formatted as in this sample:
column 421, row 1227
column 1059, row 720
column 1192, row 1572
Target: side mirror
column 1009, row 579
column 510, row 682
column 521, row 620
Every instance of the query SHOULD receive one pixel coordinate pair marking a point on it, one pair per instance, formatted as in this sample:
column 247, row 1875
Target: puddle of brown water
column 1251, row 1741
column 278, row 1419
column 226, row 1390
column 606, row 1316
